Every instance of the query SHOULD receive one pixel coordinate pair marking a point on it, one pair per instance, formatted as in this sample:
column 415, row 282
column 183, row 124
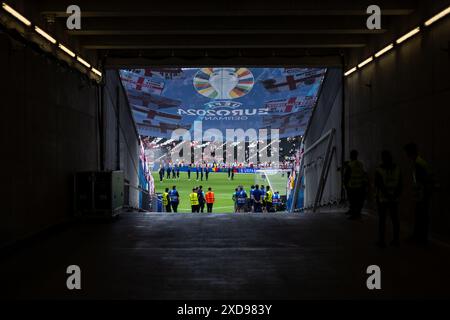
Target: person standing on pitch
column 189, row 171
column 388, row 186
column 252, row 198
column 423, row 187
column 201, row 172
column 355, row 182
column 161, row 173
column 174, row 198
column 169, row 169
column 232, row 172
column 197, row 169
column 268, row 199
column 229, row 171
column 276, row 201
column 193, row 197
column 165, row 199
column 234, row 197
column 262, row 192
column 241, row 199
column 209, row 200
column 257, row 199
column 201, row 199
column 178, row 171
column 174, row 173
column 206, row 172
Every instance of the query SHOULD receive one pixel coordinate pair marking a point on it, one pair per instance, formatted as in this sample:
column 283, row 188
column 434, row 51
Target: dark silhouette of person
column 422, row 184
column 201, row 199
column 197, row 172
column 169, row 169
column 201, row 174
column 189, row 171
column 206, row 172
column 174, row 198
column 229, row 171
column 388, row 187
column 161, row 173
column 355, row 182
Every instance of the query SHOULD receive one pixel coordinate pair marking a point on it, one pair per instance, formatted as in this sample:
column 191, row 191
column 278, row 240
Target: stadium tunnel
column 66, row 110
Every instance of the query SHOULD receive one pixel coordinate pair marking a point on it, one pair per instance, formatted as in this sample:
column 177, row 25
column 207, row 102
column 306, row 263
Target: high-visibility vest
column 358, row 176
column 268, row 196
column 210, row 197
column 165, row 198
column 391, row 183
column 194, row 198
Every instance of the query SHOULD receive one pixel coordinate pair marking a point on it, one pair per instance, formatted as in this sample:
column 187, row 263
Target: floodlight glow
column 96, row 72
column 408, row 35
column 362, row 64
column 16, row 15
column 83, row 62
column 67, row 50
column 437, row 17
column 45, row 34
column 383, row 51
column 349, row 72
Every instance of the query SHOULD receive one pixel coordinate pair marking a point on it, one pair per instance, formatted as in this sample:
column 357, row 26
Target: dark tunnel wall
column 400, row 98
column 49, row 126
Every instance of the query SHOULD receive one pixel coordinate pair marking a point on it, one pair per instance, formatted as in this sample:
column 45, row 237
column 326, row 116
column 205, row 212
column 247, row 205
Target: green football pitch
column 223, row 187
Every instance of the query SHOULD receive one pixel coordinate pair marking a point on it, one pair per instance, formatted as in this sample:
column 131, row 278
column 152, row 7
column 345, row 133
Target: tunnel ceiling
column 222, row 32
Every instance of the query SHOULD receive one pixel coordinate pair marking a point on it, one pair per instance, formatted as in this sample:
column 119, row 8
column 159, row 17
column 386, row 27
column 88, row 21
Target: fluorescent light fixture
column 383, row 51
column 84, row 62
column 17, row 15
column 362, row 64
column 45, row 34
column 349, row 72
column 96, row 72
column 408, row 35
column 66, row 50
column 437, row 17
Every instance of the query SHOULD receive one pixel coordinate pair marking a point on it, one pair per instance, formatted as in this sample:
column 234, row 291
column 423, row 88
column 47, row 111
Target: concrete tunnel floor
column 224, row 256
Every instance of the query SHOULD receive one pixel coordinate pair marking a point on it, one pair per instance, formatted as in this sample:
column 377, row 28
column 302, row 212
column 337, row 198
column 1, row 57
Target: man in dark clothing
column 197, row 169
column 161, row 173
column 422, row 183
column 189, row 171
column 201, row 199
column 174, row 198
column 388, row 185
column 169, row 169
column 257, row 199
column 206, row 172
column 201, row 173
column 355, row 182
column 229, row 171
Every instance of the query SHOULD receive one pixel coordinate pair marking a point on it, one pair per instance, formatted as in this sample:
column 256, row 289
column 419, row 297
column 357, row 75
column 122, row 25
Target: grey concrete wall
column 49, row 125
column 404, row 97
column 326, row 116
column 121, row 135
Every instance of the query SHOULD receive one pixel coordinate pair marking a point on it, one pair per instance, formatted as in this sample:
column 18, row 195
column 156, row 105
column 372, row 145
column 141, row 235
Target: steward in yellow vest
column 165, row 200
column 193, row 197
